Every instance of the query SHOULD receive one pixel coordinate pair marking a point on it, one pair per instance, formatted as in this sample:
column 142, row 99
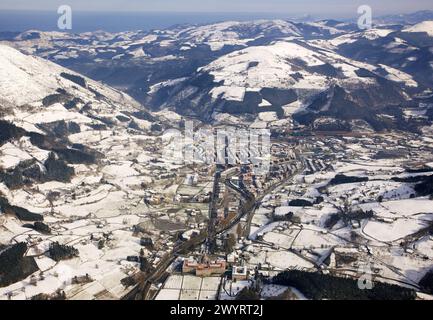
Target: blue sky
column 314, row 7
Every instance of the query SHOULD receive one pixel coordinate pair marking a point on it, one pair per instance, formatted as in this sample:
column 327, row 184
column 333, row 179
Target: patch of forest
column 342, row 179
column 20, row 213
column 14, row 266
column 60, row 252
column 426, row 283
column 319, row 286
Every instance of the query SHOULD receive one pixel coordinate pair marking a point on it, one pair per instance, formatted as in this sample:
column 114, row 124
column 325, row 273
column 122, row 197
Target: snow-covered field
column 189, row 287
column 98, row 209
column 394, row 236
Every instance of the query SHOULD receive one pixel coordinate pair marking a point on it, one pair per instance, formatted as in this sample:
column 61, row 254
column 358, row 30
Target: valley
column 311, row 161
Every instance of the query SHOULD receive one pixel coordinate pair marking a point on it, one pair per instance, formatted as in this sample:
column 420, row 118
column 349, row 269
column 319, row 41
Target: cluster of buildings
column 206, row 268
column 213, row 267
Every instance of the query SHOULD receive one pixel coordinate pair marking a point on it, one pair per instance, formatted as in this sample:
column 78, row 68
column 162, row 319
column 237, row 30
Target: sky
column 342, row 8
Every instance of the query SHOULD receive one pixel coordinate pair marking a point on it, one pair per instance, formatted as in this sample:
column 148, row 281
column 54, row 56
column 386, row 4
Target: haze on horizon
column 331, row 8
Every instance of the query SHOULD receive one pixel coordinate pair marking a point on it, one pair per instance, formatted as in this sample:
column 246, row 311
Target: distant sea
column 115, row 22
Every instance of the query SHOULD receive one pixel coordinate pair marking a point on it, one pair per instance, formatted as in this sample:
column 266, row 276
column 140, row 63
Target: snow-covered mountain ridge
column 220, row 70
column 75, row 160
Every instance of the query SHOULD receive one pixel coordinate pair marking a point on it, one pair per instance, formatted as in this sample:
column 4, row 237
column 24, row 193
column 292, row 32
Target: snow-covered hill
column 74, row 157
column 237, row 33
column 290, row 65
column 234, row 68
column 422, row 27
column 135, row 60
column 287, row 77
column 30, row 79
